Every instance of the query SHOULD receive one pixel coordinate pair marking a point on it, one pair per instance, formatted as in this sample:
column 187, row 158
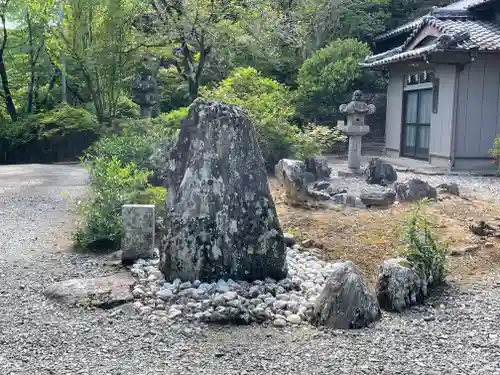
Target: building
column 443, row 97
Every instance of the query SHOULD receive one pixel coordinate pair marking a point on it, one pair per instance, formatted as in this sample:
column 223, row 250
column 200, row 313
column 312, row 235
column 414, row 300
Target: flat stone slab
column 103, row 292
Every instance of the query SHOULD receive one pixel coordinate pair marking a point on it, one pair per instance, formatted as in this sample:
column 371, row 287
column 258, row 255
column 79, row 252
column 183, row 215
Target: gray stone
column 450, row 188
column 138, row 224
column 398, row 286
column 289, row 239
column 413, row 190
column 220, row 219
column 377, row 196
column 318, row 166
column 294, row 319
column 165, row 294
column 104, row 292
column 279, row 323
column 380, row 173
column 346, row 302
column 293, row 176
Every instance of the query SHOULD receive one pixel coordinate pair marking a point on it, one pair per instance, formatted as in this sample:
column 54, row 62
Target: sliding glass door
column 417, row 123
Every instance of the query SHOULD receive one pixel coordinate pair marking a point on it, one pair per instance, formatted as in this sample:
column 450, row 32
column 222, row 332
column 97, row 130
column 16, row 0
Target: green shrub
column 324, row 137
column 269, row 105
column 61, row 134
column 329, row 77
column 126, row 148
column 421, row 246
column 494, row 151
column 173, row 119
column 112, row 185
column 126, row 108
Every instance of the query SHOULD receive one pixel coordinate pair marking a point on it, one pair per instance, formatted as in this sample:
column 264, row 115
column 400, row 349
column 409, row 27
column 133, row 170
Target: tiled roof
column 459, row 5
column 373, row 61
column 461, row 35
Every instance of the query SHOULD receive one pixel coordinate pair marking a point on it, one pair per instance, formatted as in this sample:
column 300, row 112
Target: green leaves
column 421, row 247
column 328, row 78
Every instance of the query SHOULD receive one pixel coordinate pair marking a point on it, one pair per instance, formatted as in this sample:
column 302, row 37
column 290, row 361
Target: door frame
column 427, row 86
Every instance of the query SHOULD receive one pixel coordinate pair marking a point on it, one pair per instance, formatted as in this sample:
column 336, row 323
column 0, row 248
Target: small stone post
column 138, row 226
column 355, row 128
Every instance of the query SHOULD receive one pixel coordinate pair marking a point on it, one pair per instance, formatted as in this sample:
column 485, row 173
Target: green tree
column 100, row 39
column 270, row 106
column 328, row 78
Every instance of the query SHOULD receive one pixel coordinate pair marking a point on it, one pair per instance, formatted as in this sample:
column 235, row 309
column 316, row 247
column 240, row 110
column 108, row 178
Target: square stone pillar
column 138, row 232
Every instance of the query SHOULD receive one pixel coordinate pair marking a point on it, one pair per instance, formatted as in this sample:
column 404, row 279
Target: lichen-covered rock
column 346, row 302
column 220, row 219
column 293, row 176
column 377, row 196
column 380, row 173
column 104, row 292
column 318, row 166
column 413, row 190
column 399, row 286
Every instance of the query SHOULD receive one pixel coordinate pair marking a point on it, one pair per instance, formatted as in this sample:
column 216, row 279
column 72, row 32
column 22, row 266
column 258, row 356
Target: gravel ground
column 455, row 333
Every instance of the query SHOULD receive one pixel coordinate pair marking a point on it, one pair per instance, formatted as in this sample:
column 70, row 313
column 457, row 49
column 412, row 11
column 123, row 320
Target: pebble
column 290, row 300
column 279, row 322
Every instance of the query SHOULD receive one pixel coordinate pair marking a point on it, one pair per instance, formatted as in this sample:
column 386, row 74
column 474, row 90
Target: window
column 419, row 78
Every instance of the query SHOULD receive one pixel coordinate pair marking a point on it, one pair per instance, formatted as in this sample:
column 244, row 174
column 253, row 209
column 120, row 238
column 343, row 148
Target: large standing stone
column 293, row 176
column 399, row 286
column 414, row 189
column 346, row 302
column 380, row 173
column 138, row 223
column 220, row 219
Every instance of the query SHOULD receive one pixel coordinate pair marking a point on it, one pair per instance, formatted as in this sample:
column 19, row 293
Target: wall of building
column 441, row 121
column 478, row 112
column 394, row 111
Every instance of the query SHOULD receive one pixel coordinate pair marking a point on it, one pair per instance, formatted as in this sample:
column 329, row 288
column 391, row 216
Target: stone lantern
column 355, row 128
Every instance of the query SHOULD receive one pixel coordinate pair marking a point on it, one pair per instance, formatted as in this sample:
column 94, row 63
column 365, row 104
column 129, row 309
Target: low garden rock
column 104, row 292
column 413, row 190
column 450, row 188
column 377, row 196
column 220, row 219
column 380, row 172
column 293, row 176
column 346, row 302
column 399, row 286
column 318, row 166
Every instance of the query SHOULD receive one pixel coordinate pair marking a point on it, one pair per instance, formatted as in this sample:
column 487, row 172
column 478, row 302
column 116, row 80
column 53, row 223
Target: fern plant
column 421, row 246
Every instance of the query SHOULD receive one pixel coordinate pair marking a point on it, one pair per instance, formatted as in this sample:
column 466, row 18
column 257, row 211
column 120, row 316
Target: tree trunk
column 9, row 103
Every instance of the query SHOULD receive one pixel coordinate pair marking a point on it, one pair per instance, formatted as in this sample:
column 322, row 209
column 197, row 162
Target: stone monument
column 355, row 129
column 145, row 89
column 138, row 239
column 220, row 219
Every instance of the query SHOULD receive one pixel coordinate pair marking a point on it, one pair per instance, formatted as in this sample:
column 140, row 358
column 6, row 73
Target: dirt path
column 455, row 334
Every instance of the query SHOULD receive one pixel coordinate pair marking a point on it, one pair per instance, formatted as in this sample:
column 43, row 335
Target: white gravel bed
column 456, row 333
column 288, row 301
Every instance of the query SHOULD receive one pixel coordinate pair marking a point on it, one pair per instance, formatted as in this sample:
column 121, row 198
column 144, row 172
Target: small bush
column 112, row 185
column 269, row 105
column 421, row 247
column 324, row 137
column 61, row 134
column 494, row 151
